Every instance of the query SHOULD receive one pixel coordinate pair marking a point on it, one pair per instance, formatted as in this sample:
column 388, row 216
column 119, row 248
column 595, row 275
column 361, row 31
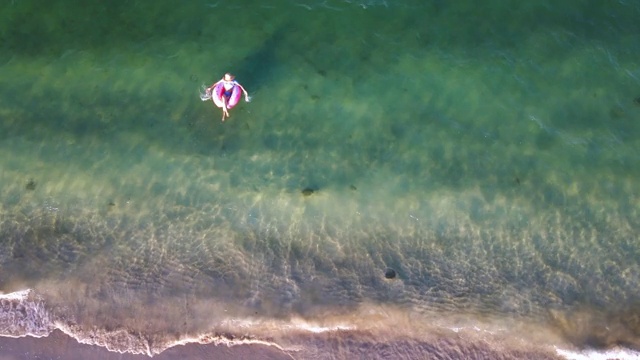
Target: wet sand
column 336, row 345
column 60, row 346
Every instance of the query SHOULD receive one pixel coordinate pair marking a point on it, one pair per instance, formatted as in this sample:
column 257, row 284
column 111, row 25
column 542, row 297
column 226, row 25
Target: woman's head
column 228, row 77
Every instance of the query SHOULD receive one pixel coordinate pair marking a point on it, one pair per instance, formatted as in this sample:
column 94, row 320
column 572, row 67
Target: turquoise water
column 488, row 154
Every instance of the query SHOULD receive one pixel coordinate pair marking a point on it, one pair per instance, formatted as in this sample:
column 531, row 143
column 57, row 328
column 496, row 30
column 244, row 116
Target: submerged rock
column 31, row 185
column 389, row 273
column 308, row 191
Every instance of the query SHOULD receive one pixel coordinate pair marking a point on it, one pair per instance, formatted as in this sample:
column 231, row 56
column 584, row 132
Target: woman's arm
column 214, row 85
column 246, row 94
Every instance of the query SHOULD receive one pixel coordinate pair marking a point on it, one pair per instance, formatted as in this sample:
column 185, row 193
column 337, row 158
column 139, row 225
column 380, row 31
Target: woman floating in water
column 225, row 94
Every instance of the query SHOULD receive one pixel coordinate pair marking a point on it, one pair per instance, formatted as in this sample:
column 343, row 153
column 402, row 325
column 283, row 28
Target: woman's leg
column 225, row 111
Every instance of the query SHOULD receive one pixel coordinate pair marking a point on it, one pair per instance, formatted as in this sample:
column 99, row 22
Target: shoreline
column 335, row 345
column 63, row 347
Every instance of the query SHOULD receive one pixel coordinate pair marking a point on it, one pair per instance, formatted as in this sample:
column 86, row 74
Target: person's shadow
column 256, row 69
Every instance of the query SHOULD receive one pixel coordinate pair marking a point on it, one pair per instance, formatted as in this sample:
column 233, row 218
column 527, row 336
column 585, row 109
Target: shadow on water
column 258, row 67
column 256, row 70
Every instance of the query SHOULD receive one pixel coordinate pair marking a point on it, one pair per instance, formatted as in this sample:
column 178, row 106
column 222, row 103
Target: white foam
column 221, row 340
column 22, row 313
column 599, row 355
column 16, row 295
column 292, row 325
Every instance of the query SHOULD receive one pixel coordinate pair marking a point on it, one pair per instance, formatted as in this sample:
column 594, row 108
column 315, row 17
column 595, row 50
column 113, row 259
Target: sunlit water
column 487, row 153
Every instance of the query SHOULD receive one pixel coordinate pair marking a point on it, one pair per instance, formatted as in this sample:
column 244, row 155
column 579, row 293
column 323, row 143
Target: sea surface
column 411, row 179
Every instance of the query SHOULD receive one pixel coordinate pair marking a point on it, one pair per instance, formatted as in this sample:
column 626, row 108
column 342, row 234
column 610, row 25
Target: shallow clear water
column 488, row 154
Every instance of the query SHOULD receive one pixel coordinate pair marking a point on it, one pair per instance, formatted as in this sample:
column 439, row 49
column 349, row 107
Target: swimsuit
column 228, row 87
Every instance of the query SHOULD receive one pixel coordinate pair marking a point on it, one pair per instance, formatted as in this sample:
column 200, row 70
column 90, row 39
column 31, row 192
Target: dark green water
column 487, row 153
